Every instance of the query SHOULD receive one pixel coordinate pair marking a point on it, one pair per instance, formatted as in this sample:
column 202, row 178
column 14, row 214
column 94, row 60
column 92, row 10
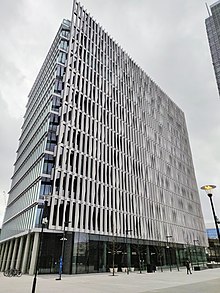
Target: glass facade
column 32, row 179
column 213, row 32
column 87, row 253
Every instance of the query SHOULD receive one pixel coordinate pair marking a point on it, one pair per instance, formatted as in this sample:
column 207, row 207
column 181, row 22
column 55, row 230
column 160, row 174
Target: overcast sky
column 165, row 38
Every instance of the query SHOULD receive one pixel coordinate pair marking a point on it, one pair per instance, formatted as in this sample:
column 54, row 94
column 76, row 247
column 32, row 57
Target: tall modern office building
column 108, row 153
column 213, row 32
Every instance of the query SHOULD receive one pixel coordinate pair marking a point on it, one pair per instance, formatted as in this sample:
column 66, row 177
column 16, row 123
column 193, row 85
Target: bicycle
column 12, row 273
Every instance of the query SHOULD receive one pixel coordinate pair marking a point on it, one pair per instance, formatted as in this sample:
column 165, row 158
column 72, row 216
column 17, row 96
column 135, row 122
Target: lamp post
column 62, row 250
column 208, row 189
column 128, row 262
column 44, row 221
column 168, row 247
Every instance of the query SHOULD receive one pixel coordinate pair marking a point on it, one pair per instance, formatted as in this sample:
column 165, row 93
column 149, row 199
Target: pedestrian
column 188, row 269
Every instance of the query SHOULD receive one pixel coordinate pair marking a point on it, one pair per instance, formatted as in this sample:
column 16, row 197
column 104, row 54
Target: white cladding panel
column 123, row 158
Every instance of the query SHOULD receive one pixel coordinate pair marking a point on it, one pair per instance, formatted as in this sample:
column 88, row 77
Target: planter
column 115, row 270
column 124, row 270
column 132, row 269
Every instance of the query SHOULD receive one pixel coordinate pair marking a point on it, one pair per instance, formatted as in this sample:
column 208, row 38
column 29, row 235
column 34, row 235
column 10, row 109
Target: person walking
column 188, row 269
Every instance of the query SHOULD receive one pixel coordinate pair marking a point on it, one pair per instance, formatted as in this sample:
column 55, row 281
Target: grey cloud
column 9, row 134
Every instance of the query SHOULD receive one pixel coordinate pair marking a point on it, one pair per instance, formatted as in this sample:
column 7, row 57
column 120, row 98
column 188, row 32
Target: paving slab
column 206, row 281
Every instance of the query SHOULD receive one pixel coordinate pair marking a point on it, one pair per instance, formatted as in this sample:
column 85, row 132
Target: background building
column 213, row 32
column 213, row 251
column 109, row 152
column 212, row 233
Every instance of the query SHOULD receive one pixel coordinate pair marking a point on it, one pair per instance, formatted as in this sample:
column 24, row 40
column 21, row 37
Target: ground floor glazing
column 91, row 253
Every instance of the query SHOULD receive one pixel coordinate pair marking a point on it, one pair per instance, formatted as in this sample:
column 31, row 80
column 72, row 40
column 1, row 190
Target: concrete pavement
column 206, row 281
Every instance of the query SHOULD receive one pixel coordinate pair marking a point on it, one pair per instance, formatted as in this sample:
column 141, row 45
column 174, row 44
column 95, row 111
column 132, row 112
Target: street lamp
column 44, row 221
column 208, row 189
column 62, row 250
column 167, row 237
column 128, row 262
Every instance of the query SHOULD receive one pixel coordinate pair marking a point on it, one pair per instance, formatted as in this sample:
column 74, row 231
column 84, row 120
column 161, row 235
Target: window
column 48, row 164
column 58, row 86
column 62, row 57
column 56, row 103
column 45, row 188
